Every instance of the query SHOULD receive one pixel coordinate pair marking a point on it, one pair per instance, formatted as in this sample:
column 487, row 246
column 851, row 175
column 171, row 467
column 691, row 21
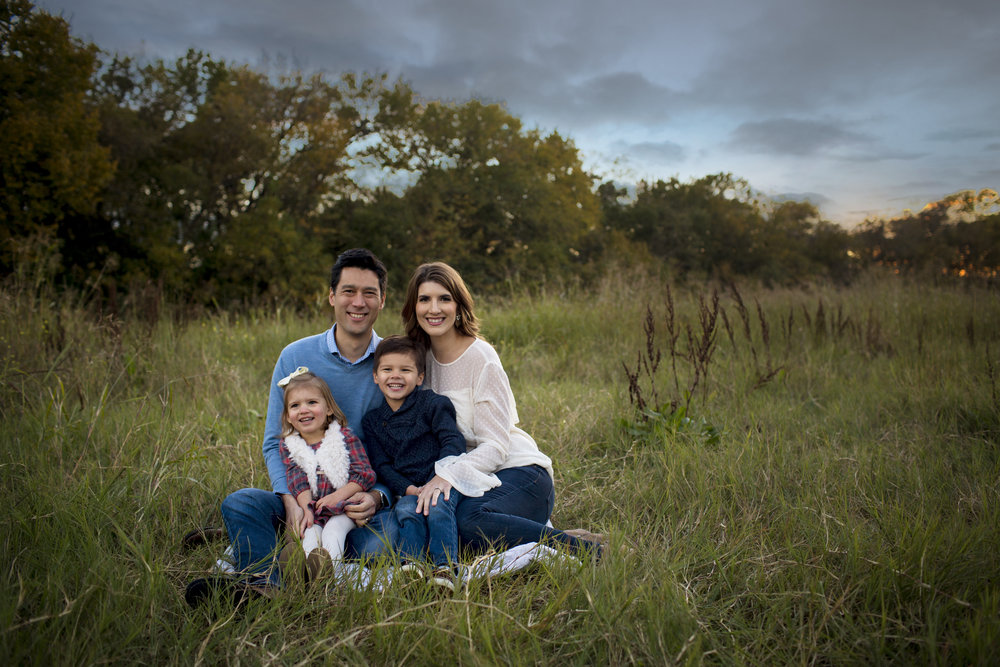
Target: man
column 342, row 356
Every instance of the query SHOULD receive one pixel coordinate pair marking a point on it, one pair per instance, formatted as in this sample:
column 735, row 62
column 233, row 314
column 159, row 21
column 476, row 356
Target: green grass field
column 826, row 491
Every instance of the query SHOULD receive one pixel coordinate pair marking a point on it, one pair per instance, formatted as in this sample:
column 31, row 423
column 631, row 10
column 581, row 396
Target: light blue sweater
column 351, row 384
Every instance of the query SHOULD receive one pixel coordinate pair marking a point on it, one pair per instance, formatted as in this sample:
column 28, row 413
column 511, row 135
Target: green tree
column 497, row 201
column 959, row 235
column 704, row 226
column 52, row 166
column 224, row 172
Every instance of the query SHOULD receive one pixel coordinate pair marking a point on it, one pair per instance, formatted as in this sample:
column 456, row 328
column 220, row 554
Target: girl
column 506, row 480
column 325, row 465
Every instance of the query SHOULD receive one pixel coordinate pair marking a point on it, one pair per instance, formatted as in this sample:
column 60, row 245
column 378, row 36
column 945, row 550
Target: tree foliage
column 492, row 198
column 51, row 163
column 219, row 184
column 958, row 235
column 718, row 226
column 223, row 171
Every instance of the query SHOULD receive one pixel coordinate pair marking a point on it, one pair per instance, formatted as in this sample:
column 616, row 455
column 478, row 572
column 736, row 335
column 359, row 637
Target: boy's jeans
column 435, row 534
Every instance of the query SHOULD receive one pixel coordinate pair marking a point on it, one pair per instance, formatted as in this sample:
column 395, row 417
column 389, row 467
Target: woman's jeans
column 254, row 518
column 513, row 513
column 435, row 534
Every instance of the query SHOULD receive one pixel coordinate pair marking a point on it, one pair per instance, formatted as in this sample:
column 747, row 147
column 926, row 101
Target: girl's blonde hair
column 448, row 278
column 308, row 379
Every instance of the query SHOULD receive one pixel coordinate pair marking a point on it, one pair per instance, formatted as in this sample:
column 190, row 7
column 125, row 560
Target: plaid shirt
column 360, row 471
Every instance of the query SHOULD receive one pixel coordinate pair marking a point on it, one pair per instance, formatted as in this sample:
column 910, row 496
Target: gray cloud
column 914, row 76
column 804, row 56
column 654, row 152
column 789, row 136
column 812, row 197
column 962, row 134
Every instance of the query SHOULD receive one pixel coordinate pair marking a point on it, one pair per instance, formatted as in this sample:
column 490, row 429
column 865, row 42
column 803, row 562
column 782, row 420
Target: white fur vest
column 331, row 457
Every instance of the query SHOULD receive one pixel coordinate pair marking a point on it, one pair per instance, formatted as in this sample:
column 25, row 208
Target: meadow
column 804, row 476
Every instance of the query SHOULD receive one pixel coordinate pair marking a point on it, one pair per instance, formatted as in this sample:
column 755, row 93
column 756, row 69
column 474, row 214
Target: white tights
column 331, row 536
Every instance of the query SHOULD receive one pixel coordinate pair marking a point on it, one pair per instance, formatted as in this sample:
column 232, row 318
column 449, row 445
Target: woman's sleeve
column 472, row 473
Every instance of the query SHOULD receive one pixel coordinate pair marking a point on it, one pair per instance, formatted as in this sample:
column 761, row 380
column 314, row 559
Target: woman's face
column 435, row 309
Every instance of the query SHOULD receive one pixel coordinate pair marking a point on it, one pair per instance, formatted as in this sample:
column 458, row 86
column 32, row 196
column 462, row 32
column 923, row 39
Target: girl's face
column 435, row 309
column 307, row 412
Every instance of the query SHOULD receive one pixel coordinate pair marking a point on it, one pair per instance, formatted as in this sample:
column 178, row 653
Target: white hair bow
column 288, row 378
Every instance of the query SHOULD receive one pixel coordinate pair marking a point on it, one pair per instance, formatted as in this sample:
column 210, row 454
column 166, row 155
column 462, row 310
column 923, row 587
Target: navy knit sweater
column 404, row 445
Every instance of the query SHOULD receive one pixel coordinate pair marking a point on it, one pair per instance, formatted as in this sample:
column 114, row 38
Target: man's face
column 356, row 301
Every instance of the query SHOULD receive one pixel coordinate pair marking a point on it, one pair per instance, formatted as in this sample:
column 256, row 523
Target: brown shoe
column 319, row 564
column 584, row 534
column 203, row 535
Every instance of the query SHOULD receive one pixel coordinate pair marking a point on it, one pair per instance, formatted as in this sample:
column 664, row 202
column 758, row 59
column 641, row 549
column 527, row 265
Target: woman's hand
column 430, row 492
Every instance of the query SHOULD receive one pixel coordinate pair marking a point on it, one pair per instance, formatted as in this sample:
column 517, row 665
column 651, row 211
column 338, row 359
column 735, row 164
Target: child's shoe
column 319, row 564
column 445, row 577
column 408, row 572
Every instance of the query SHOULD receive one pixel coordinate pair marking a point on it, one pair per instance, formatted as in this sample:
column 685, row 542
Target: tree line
column 215, row 183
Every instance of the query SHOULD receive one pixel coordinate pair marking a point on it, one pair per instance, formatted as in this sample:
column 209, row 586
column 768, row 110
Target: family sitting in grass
column 493, row 488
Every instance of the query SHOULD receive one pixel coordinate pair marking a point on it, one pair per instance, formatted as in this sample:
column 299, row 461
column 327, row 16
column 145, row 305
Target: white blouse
column 487, row 416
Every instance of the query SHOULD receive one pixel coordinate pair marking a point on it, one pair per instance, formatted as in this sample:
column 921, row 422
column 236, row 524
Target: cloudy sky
column 866, row 107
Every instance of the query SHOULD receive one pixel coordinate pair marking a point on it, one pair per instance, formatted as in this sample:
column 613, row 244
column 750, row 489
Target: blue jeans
column 514, row 513
column 435, row 534
column 254, row 518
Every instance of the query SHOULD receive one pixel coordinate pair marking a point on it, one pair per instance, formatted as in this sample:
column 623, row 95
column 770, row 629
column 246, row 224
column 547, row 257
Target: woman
column 507, row 481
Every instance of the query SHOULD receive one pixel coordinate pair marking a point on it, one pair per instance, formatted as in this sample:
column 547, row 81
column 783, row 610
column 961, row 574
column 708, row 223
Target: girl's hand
column 326, row 501
column 430, row 492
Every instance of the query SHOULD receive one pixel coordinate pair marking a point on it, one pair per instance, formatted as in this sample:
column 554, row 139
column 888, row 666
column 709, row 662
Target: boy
column 405, row 437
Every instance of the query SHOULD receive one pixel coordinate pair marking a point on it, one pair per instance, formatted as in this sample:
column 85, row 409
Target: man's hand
column 293, row 515
column 305, row 522
column 361, row 507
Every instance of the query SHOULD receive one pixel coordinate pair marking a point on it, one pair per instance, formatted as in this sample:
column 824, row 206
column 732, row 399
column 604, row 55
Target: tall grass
column 829, row 494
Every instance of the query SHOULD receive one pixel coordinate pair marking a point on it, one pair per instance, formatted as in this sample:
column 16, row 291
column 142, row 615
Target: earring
column 458, row 318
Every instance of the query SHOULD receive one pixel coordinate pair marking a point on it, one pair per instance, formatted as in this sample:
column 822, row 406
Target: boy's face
column 397, row 376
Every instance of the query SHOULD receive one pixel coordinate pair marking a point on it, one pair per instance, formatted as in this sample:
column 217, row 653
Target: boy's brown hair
column 402, row 345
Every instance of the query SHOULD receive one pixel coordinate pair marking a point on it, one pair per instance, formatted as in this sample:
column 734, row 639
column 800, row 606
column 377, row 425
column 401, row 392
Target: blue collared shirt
column 331, row 343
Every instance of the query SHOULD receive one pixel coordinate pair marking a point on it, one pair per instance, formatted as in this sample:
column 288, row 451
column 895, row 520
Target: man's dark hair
column 401, row 345
column 359, row 258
